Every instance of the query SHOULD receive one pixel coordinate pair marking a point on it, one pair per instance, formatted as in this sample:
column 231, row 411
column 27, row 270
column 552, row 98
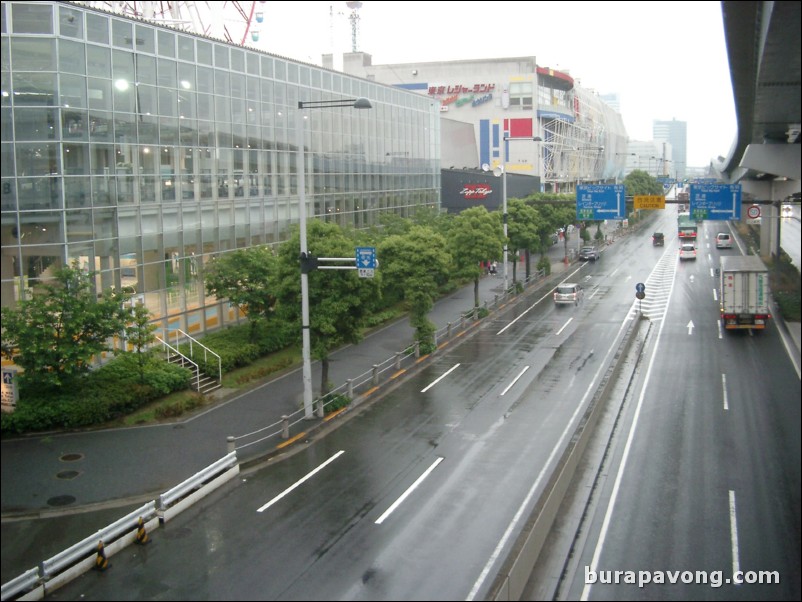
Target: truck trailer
column 744, row 292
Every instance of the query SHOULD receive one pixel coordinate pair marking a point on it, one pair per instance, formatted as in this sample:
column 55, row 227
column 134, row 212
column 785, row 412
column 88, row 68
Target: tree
column 475, row 236
column 139, row 333
column 339, row 300
column 523, row 229
column 414, row 266
column 246, row 278
column 556, row 217
column 639, row 182
column 54, row 335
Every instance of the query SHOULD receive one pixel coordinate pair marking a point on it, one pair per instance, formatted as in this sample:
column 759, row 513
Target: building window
column 32, row 18
column 521, row 95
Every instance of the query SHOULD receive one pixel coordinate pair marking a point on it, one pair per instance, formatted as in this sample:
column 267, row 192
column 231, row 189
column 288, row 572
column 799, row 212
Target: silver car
column 568, row 292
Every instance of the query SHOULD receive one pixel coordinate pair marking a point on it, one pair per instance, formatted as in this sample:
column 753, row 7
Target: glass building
column 141, row 152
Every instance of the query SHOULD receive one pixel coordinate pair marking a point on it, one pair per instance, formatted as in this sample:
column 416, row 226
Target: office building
column 674, row 133
column 582, row 139
column 141, row 152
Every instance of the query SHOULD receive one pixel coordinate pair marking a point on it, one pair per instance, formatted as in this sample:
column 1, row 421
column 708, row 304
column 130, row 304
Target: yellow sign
column 649, row 202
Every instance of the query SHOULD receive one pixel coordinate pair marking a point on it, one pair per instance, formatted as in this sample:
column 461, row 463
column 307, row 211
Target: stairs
column 201, row 382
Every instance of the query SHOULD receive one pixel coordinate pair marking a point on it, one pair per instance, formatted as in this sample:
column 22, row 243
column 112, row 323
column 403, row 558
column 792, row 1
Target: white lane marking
column 515, row 380
column 724, row 389
column 544, row 472
column 594, row 563
column 563, row 328
column 549, row 294
column 454, row 367
column 736, row 563
column 411, row 488
column 298, row 483
column 523, row 313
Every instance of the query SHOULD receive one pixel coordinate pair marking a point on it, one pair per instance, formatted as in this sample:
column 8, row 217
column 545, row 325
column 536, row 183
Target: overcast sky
column 665, row 60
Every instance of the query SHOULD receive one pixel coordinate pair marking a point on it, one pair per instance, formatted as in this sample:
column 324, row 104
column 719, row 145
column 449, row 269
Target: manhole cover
column 68, row 474
column 71, row 457
column 61, row 500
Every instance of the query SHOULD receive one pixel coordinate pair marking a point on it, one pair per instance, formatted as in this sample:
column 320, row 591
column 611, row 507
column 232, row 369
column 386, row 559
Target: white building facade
column 582, row 139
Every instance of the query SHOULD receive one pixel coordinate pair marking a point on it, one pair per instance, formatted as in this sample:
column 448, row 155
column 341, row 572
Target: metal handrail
column 206, row 350
column 183, row 357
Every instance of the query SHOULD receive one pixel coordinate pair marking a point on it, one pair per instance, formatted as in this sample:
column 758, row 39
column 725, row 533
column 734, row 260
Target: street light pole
column 504, row 198
column 504, row 212
column 356, row 103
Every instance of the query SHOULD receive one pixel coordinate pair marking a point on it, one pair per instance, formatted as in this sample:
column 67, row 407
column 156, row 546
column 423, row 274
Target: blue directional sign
column 715, row 201
column 640, row 287
column 366, row 258
column 600, row 201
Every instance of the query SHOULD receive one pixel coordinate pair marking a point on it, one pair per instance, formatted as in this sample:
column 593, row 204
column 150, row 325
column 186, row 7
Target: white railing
column 193, row 342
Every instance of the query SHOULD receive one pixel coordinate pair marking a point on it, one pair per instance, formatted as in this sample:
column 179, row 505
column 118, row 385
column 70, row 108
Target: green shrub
column 113, row 390
column 335, row 401
column 544, row 263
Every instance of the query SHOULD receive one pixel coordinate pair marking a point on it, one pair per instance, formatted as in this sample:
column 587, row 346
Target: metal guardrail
column 87, row 547
column 196, row 481
column 25, row 582
column 68, row 564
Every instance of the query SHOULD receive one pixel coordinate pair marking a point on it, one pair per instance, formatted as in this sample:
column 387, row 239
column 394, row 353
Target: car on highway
column 723, row 240
column 687, row 251
column 587, row 253
column 568, row 292
column 658, row 239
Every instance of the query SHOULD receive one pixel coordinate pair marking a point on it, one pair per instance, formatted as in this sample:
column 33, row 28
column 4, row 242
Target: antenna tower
column 354, row 18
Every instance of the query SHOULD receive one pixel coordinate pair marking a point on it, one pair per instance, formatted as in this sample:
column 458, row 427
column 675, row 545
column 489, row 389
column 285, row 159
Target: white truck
column 744, row 292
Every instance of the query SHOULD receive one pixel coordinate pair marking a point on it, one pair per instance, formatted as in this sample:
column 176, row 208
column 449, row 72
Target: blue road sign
column 715, row 201
column 600, row 201
column 366, row 258
column 640, row 287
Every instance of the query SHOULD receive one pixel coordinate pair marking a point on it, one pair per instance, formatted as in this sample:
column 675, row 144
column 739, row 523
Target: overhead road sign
column 715, row 201
column 649, row 201
column 600, row 201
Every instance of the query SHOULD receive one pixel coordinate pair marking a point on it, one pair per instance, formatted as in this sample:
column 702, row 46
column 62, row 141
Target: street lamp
column 504, row 196
column 355, row 103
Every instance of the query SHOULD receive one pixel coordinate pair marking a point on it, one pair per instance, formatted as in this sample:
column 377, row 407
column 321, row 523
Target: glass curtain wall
column 140, row 153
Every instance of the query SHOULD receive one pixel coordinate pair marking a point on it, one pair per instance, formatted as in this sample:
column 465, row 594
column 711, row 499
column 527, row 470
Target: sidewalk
column 57, row 474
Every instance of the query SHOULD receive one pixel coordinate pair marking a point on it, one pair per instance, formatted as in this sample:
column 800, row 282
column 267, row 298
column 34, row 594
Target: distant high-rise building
column 676, row 133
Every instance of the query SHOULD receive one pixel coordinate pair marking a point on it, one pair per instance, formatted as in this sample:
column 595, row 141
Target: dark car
column 658, row 239
column 586, row 253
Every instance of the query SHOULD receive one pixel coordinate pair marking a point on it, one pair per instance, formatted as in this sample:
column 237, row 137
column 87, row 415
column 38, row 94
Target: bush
column 115, row 389
column 240, row 345
column 335, row 401
column 544, row 264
